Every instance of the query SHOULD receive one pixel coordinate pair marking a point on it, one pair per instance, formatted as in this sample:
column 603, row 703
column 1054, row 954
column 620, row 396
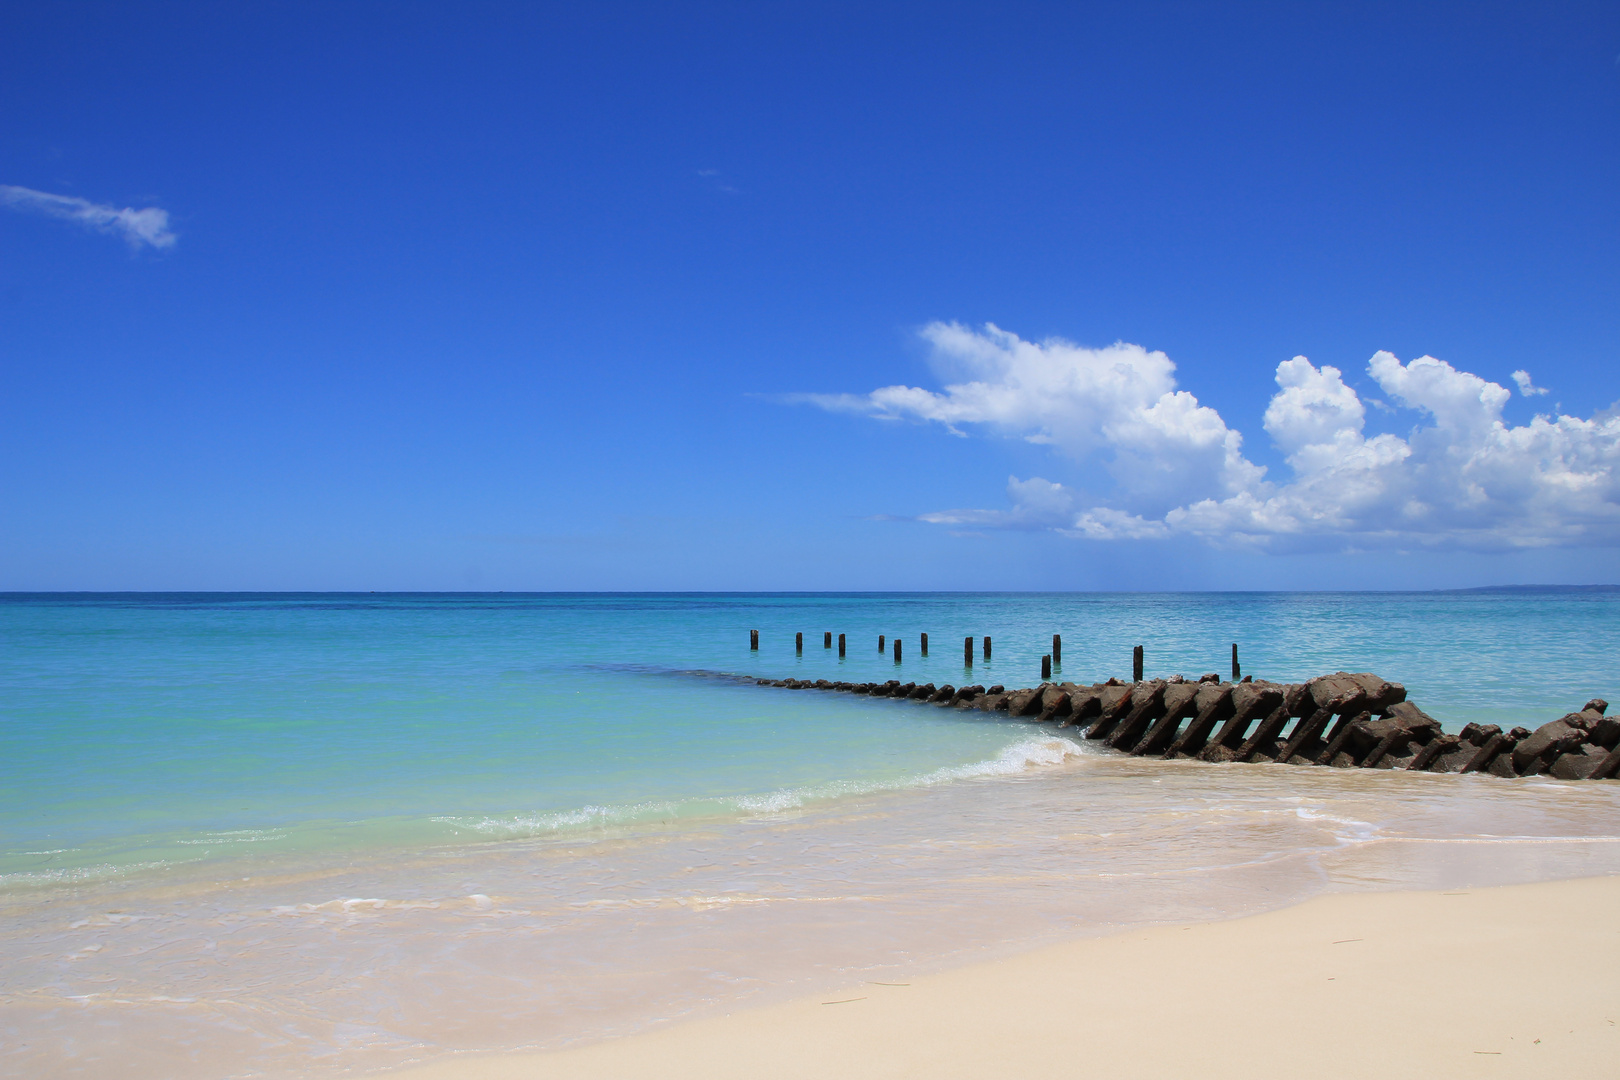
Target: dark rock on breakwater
column 1341, row 721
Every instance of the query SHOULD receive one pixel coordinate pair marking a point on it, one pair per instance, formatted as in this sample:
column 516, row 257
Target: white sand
column 1522, row 981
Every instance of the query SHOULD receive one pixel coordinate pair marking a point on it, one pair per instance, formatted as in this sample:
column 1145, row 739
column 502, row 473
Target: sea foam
column 1020, row 756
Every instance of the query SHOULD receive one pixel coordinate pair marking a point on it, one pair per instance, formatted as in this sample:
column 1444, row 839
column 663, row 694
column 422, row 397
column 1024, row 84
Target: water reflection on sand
column 310, row 968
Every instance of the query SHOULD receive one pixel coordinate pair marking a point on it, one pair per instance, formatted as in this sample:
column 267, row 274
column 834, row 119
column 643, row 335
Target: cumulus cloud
column 1460, row 476
column 147, row 227
column 1119, row 401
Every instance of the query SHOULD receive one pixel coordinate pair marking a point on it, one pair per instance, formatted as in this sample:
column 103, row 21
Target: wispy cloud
column 147, row 227
column 1526, row 387
column 715, row 181
column 1460, row 478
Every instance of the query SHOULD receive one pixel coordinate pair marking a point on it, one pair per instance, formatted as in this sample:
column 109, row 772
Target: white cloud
column 1465, row 479
column 149, row 226
column 1460, row 477
column 1314, row 415
column 1119, row 402
column 1037, row 504
column 1105, row 523
column 1526, row 387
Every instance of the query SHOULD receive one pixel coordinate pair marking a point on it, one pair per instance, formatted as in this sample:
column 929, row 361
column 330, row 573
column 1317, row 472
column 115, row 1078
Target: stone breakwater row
column 1341, row 720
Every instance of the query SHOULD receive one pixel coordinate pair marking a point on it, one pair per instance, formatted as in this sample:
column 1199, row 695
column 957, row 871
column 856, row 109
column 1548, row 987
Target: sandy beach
column 1520, row 981
column 690, row 541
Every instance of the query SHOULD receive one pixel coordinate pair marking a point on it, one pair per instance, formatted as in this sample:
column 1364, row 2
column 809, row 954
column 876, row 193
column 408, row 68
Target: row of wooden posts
column 1047, row 661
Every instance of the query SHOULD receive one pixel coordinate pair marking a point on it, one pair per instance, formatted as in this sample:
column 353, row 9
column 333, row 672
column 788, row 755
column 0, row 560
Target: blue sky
column 395, row 296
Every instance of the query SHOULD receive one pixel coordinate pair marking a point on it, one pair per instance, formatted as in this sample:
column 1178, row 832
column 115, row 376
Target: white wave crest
column 236, row 836
column 1018, row 757
column 1345, row 830
column 775, row 802
column 73, row 875
column 525, row 825
column 1021, row 756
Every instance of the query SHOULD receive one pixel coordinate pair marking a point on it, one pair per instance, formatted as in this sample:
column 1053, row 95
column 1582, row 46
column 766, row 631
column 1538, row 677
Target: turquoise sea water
column 468, row 822
column 151, row 728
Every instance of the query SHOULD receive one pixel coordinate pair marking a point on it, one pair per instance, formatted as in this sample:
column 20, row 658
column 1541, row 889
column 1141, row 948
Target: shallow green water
column 145, row 730
column 312, row 836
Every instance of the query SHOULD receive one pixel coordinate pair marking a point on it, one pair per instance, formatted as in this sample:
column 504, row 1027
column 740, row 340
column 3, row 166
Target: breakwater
column 1343, row 720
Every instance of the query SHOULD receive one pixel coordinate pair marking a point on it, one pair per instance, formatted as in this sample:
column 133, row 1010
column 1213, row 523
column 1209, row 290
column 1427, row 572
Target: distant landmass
column 1537, row 589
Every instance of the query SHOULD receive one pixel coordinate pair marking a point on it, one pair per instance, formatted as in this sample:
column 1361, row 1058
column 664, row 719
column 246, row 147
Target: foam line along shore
column 477, row 823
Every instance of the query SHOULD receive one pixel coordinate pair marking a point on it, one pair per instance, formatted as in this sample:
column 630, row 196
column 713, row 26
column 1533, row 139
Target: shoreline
column 1515, row 980
column 531, row 949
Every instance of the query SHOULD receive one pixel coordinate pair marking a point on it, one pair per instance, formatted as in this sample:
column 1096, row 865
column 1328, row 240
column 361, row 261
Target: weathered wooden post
column 967, row 651
column 880, row 643
column 925, row 644
column 798, row 642
column 1237, row 672
column 826, row 640
column 897, row 650
column 1057, row 650
column 987, row 646
column 1136, row 664
column 1046, row 668
column 840, row 644
column 753, row 640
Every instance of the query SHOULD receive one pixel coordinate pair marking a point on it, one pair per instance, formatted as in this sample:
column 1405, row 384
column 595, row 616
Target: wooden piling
column 880, row 643
column 1136, row 664
column 1046, row 668
column 753, row 640
column 826, row 640
column 1237, row 670
column 840, row 644
column 967, row 651
column 987, row 646
column 798, row 642
column 1057, row 650
column 925, row 644
column 897, row 650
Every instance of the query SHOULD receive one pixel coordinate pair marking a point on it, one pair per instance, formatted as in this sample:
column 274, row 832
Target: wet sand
column 1514, row 981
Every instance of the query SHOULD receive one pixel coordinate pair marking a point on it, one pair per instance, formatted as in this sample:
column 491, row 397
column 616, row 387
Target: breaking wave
column 1023, row 756
column 252, row 847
